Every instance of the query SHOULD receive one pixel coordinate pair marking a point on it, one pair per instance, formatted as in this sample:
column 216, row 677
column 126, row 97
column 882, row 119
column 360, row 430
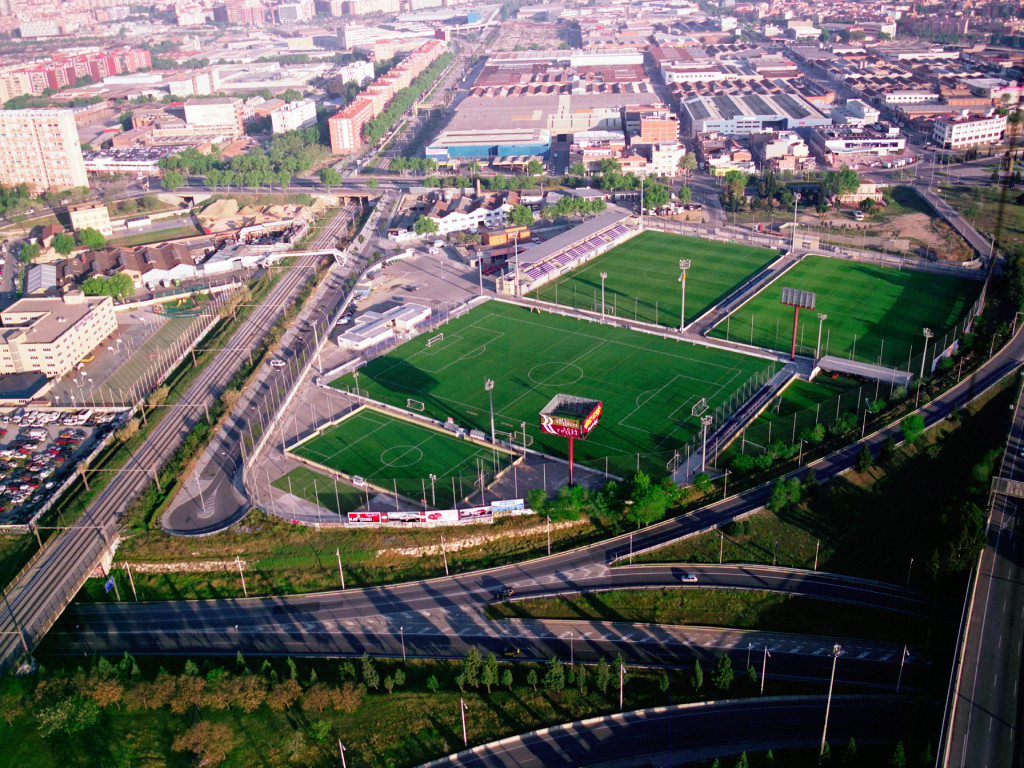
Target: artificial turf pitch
column 643, row 277
column 648, row 384
column 871, row 311
column 387, row 450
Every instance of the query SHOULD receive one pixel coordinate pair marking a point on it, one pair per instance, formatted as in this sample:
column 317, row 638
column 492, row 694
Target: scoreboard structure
column 572, row 417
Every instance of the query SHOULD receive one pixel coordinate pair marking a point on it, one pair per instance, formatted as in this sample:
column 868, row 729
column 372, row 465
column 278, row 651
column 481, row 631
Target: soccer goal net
column 415, row 405
column 517, row 439
column 434, row 339
column 700, row 407
column 609, row 309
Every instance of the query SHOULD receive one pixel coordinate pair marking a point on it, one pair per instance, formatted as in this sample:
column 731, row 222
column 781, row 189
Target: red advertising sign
column 474, row 512
column 566, row 425
column 364, row 517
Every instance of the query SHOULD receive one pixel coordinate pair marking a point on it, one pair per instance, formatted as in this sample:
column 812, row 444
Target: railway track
column 41, row 593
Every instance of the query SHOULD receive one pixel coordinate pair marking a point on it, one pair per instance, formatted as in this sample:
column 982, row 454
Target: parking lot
column 38, row 450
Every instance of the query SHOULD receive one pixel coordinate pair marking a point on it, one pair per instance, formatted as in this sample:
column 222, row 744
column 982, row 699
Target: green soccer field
column 643, row 277
column 391, row 452
column 648, row 384
column 872, row 312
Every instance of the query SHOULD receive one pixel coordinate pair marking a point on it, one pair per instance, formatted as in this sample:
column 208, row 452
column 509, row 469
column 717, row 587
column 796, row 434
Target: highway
column 38, row 596
column 984, row 730
column 688, row 733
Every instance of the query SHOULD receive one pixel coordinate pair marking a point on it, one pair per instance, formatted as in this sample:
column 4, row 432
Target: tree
column 471, row 667
column 785, row 493
column 722, row 675
column 432, row 684
column 850, row 753
column 734, row 185
column 664, row 682
column 532, row 679
column 69, row 715
column 28, row 253
column 535, row 167
column 742, row 761
column 425, row 226
column 172, row 180
column 650, row 501
column 603, row 675
column 389, row 684
column 209, row 742
column 329, row 177
column 899, row 756
column 685, row 194
column 92, row 238
column 63, row 243
column 370, row 675
column 489, row 674
column 688, row 163
column 655, row 195
column 867, row 205
column 372, row 183
column 554, row 677
column 520, row 216
column 128, row 431
column 912, row 427
column 752, row 678
column 697, row 677
column 399, row 677
column 865, row 460
column 610, row 166
column 506, row 678
column 578, row 169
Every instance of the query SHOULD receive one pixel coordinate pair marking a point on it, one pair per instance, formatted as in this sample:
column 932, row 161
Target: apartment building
column 346, row 127
column 40, row 148
column 291, row 117
column 222, row 114
column 966, row 131
column 52, row 335
column 93, row 215
column 650, row 125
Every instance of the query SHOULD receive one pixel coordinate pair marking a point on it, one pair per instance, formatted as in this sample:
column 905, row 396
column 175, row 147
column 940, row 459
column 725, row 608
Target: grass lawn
column 405, row 728
column 320, row 489
column 764, row 611
column 871, row 311
column 648, row 384
column 142, row 359
column 643, row 277
column 802, row 395
column 159, row 236
column 389, row 451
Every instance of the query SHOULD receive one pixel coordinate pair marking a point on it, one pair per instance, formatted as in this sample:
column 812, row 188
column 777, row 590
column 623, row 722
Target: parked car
column 277, row 363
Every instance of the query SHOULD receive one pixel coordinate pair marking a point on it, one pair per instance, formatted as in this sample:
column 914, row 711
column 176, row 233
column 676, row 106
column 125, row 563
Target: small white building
column 373, row 328
column 293, row 116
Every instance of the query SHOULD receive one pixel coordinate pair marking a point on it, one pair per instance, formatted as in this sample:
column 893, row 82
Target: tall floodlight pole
column 705, row 422
column 604, row 276
column 516, row 243
column 920, row 380
column 822, row 317
column 489, row 386
column 796, row 202
column 684, row 264
column 433, row 496
column 836, row 650
column 903, row 659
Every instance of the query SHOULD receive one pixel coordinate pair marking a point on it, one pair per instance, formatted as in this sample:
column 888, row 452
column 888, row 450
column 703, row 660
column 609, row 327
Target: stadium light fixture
column 705, row 422
column 684, row 264
column 796, row 202
column 604, row 276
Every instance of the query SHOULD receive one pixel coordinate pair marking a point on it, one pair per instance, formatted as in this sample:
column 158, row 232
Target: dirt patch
column 453, row 545
column 928, row 236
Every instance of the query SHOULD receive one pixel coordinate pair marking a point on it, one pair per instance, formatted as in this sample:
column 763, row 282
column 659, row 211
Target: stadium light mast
column 684, row 264
column 796, row 202
column 489, row 386
column 837, row 649
column 822, row 317
column 920, row 379
column 705, row 422
column 604, row 276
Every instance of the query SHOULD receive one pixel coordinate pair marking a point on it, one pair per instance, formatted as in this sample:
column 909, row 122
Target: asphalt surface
column 215, row 496
column 681, row 734
column 984, row 730
column 40, row 594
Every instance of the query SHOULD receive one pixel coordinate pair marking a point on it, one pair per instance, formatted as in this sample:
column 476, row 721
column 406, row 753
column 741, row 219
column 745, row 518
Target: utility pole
column 836, row 650
column 764, row 667
column 462, row 712
column 341, row 573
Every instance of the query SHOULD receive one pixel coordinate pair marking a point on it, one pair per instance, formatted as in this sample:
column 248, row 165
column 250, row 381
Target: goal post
column 434, row 339
column 415, row 405
column 517, row 439
column 700, row 407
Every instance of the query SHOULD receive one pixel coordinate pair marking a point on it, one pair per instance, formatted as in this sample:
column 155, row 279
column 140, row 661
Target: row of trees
column 567, row 206
column 770, row 190
column 64, row 242
column 405, row 98
column 120, row 286
column 618, row 506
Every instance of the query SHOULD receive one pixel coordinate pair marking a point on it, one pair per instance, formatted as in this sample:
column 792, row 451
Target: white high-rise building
column 40, row 148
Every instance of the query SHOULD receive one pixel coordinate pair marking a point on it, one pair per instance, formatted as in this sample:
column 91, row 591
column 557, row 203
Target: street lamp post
column 903, row 659
column 445, row 553
column 705, row 422
column 764, row 667
column 433, row 495
column 836, row 650
column 822, row 317
column 684, row 264
column 341, row 751
column 920, row 379
column 489, row 386
column 401, row 632
column 604, row 276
